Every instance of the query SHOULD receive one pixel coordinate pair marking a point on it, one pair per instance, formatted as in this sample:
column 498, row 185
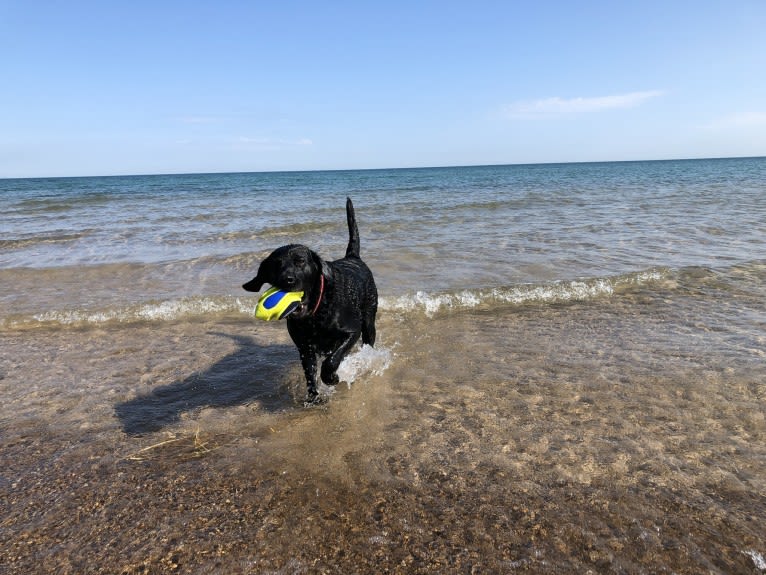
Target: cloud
column 554, row 107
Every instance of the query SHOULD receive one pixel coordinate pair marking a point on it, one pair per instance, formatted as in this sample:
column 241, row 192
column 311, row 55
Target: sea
column 569, row 377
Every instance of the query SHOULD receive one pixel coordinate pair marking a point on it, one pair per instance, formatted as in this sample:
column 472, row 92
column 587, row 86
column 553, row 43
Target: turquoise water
column 569, row 374
column 433, row 231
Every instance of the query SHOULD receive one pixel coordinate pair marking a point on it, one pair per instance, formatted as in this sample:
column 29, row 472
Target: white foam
column 367, row 360
column 168, row 310
column 553, row 292
column 428, row 303
column 433, row 303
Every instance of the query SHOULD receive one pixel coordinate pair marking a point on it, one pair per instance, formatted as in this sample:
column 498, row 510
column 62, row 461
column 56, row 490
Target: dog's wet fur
column 339, row 303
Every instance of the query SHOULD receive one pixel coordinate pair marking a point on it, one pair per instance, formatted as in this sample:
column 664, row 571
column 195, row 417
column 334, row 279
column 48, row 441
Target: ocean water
column 570, row 374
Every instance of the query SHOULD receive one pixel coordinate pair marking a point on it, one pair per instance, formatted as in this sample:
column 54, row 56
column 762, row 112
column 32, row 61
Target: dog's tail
column 353, row 231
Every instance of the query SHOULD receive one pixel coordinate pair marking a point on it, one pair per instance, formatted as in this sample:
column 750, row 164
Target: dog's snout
column 289, row 281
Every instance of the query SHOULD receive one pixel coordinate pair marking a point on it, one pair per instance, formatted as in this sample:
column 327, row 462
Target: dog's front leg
column 309, row 362
column 331, row 364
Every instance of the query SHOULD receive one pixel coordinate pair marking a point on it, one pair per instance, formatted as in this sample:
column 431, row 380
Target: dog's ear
column 261, row 277
column 321, row 265
column 254, row 284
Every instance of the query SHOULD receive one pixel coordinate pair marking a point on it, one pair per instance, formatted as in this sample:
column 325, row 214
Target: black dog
column 339, row 302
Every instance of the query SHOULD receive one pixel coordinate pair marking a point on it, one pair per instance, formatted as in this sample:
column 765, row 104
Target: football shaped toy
column 277, row 304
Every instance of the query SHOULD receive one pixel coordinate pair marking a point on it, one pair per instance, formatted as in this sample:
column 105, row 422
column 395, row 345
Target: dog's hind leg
column 368, row 328
column 332, row 362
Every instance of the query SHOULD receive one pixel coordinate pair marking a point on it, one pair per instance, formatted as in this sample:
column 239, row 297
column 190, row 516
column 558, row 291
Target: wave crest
column 553, row 292
column 427, row 303
column 161, row 311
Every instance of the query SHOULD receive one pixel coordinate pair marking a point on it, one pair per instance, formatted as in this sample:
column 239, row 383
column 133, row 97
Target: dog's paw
column 315, row 401
column 330, row 377
column 319, row 396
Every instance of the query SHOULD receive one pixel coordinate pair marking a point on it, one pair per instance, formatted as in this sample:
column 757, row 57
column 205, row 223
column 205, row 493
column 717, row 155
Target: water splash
column 367, row 361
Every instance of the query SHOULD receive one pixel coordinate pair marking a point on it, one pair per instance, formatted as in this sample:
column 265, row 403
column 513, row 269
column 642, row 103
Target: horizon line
column 319, row 170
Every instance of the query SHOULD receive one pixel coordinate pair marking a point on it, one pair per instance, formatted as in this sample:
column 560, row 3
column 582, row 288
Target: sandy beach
column 573, row 464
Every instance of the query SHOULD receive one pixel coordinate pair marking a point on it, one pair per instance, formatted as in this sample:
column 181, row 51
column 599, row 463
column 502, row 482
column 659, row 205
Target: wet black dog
column 339, row 302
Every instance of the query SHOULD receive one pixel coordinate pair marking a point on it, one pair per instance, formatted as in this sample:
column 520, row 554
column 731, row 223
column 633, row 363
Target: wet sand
column 573, row 439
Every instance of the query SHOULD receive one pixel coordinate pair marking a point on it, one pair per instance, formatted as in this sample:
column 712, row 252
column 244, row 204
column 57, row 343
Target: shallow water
column 588, row 398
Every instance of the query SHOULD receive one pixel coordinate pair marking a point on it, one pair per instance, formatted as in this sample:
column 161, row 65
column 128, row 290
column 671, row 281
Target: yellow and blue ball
column 277, row 304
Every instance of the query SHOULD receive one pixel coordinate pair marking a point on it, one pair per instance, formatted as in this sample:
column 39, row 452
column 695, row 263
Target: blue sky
column 99, row 88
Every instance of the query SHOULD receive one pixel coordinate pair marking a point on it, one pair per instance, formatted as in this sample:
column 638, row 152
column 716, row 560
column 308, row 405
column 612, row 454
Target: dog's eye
column 299, row 260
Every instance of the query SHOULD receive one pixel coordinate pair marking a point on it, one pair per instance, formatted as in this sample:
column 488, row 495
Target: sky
column 165, row 86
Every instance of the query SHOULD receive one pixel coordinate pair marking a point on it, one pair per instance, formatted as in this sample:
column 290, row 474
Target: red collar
column 321, row 291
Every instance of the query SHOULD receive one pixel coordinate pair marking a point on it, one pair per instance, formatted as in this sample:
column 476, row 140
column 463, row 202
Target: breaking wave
column 161, row 311
column 423, row 302
column 553, row 292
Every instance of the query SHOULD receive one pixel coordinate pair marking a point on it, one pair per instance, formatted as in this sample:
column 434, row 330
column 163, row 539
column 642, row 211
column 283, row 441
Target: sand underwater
column 184, row 448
